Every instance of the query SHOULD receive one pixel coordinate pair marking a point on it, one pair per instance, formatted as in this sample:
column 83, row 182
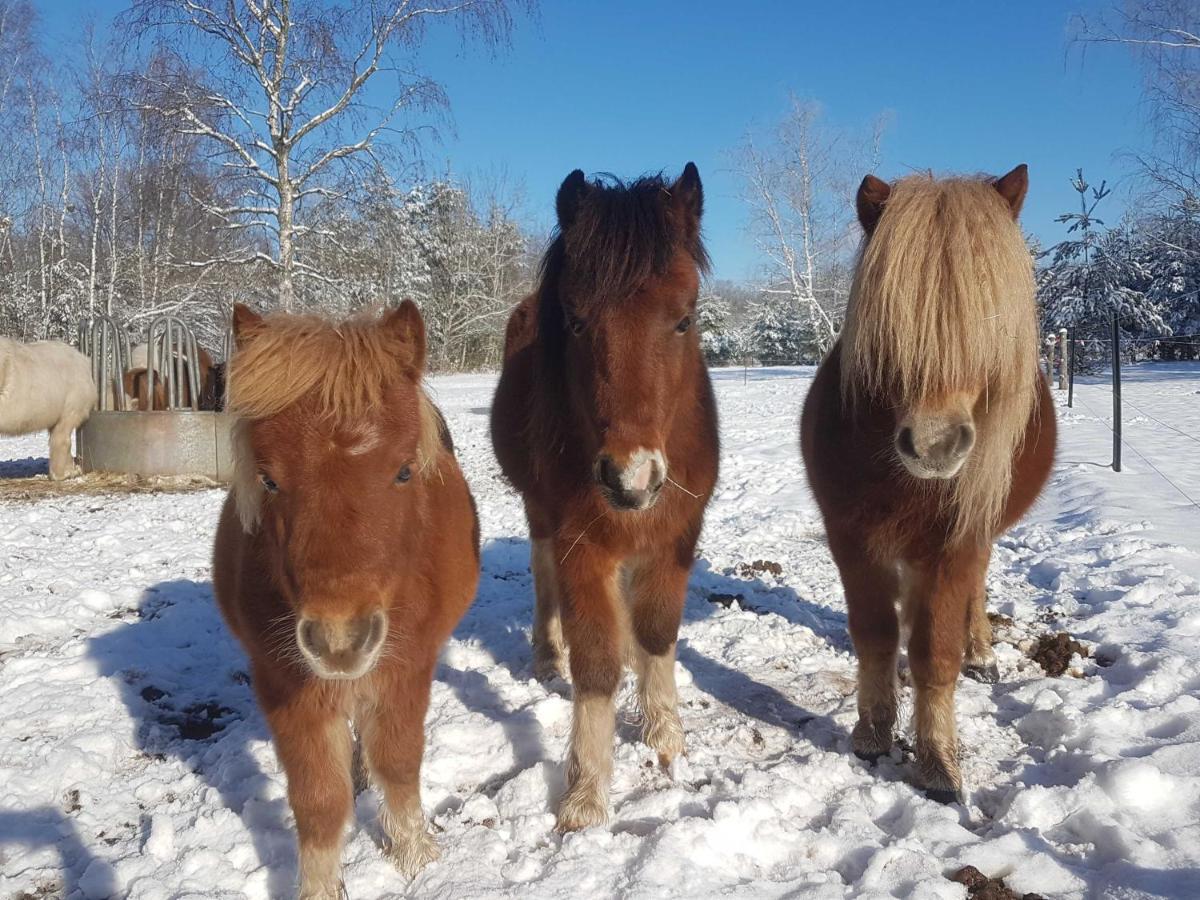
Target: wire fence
column 1062, row 352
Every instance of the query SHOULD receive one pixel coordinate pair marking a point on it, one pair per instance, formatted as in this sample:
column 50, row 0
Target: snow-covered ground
column 133, row 761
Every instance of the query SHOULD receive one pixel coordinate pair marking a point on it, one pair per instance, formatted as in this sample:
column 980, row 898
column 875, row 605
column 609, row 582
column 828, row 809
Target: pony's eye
column 577, row 325
column 268, row 483
column 403, row 475
column 684, row 324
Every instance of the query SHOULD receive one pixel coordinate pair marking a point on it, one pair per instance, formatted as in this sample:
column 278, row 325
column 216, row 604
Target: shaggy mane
column 943, row 300
column 347, row 365
column 622, row 234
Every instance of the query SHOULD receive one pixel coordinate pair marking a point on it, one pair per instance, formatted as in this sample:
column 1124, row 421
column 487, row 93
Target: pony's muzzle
column 342, row 648
column 934, row 446
column 635, row 484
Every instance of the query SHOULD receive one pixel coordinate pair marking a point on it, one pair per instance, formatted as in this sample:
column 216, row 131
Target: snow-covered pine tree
column 1091, row 276
column 780, row 334
column 1169, row 247
column 718, row 338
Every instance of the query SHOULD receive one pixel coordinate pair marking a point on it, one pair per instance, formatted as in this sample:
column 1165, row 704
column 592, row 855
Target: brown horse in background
column 604, row 420
column 210, row 396
column 347, row 550
column 927, row 432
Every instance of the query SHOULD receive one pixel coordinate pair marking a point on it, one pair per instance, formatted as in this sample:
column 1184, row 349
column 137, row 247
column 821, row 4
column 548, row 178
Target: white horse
column 46, row 385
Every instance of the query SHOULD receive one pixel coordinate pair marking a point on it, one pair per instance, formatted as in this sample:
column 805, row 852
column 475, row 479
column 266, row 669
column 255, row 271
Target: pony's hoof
column 413, row 854
column 664, row 735
column 548, row 668
column 549, row 660
column 871, row 741
column 581, row 809
column 986, row 673
column 943, row 796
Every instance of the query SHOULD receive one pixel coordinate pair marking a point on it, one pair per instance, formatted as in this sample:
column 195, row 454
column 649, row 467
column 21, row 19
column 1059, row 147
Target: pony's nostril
column 311, row 637
column 376, row 627
column 608, row 474
column 904, row 442
column 658, row 475
column 966, row 439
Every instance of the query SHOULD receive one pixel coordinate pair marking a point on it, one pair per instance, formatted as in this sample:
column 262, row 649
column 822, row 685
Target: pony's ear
column 872, row 195
column 574, row 188
column 245, row 320
column 688, row 194
column 1012, row 187
column 405, row 323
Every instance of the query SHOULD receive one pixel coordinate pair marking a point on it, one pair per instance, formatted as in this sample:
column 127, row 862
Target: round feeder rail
column 179, row 440
column 106, row 343
column 172, row 353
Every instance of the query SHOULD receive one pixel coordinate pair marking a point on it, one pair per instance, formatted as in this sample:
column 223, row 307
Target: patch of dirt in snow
column 980, row 887
column 1054, row 652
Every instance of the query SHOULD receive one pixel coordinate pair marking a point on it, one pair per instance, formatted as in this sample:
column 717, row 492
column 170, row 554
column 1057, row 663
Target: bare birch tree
column 283, row 100
column 799, row 187
column 1164, row 36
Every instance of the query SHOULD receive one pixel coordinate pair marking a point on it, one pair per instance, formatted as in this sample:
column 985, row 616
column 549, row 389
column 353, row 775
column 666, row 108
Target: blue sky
column 631, row 87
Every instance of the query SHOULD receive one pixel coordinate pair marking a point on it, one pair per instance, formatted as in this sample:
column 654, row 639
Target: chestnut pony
column 347, row 550
column 927, row 432
column 604, row 420
column 212, row 389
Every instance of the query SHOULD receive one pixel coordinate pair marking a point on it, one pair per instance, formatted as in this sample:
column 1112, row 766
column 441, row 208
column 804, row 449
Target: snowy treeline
column 202, row 154
column 1146, row 267
column 1146, row 271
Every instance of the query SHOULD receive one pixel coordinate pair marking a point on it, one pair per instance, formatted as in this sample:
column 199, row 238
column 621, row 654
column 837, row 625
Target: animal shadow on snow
column 29, row 467
column 710, row 590
column 500, row 621
column 49, row 826
column 184, row 682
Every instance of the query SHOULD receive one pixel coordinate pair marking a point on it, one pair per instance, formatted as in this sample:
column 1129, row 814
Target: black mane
column 622, row 234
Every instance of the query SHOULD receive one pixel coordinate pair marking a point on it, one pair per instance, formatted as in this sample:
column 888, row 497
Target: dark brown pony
column 211, row 393
column 346, row 553
column 604, row 420
column 927, row 432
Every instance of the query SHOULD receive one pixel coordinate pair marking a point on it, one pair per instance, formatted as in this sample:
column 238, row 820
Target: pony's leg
column 657, row 593
column 548, row 647
column 313, row 744
column 871, row 590
column 393, row 734
column 593, row 622
column 62, row 465
column 980, row 661
column 941, row 598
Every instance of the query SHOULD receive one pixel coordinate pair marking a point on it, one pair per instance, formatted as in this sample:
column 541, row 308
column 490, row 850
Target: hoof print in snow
column 980, row 887
column 151, row 694
column 986, row 674
column 71, row 802
column 200, row 721
column 725, row 600
column 1053, row 652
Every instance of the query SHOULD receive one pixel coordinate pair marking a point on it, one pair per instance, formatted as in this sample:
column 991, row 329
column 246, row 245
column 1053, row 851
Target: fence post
column 1071, row 370
column 1048, row 361
column 1062, row 359
column 1116, row 392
